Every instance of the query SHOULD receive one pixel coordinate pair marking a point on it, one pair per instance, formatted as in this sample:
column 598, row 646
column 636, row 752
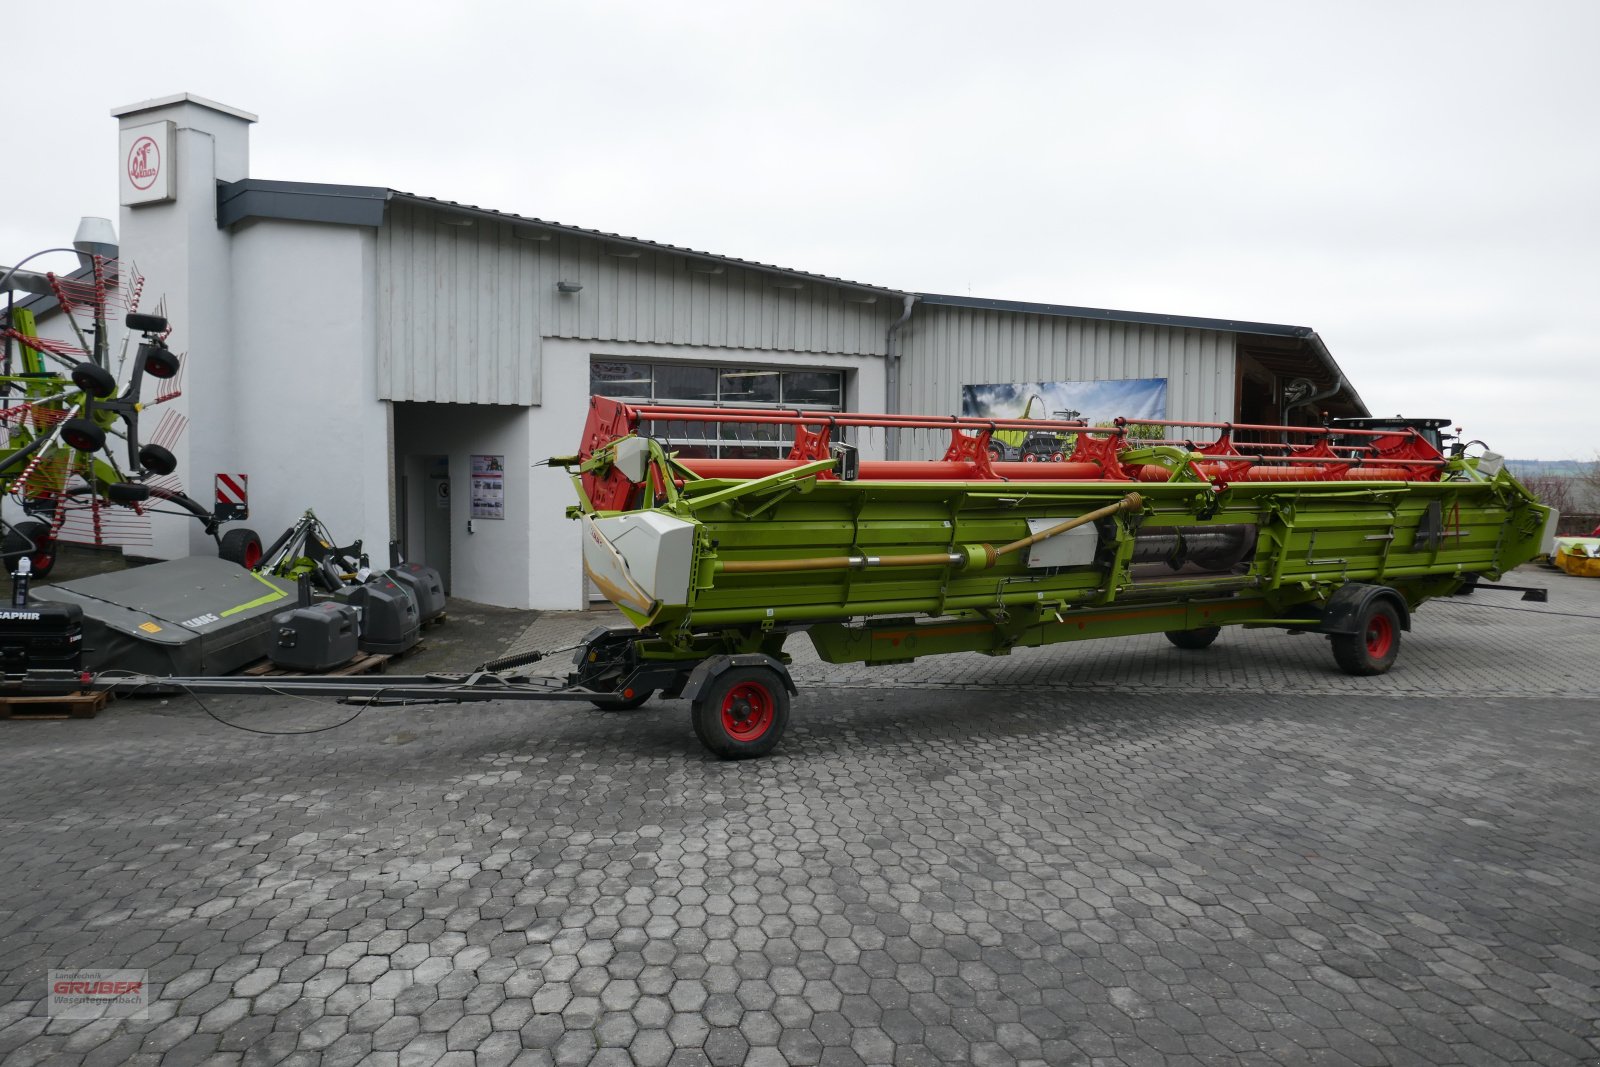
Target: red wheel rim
column 40, row 561
column 747, row 711
column 252, row 555
column 1380, row 636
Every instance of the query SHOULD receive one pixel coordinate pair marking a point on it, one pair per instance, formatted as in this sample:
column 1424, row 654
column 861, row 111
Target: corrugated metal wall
column 463, row 310
column 945, row 348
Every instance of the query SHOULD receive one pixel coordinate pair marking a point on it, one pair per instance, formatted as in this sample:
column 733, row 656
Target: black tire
column 30, row 538
column 157, row 460
column 1372, row 648
column 240, row 546
column 83, row 434
column 127, row 492
column 742, row 714
column 159, row 360
column 620, row 702
column 94, row 380
column 138, row 320
column 1196, row 639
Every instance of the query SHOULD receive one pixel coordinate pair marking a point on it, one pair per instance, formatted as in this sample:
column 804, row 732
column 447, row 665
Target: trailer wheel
column 1372, row 648
column 742, row 713
column 1196, row 639
column 627, row 700
column 30, row 538
column 240, row 546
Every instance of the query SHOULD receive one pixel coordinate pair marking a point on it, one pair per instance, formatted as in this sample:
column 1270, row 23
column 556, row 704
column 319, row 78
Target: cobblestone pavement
column 1024, row 865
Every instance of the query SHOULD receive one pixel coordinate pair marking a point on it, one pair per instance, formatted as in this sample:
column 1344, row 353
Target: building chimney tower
column 172, row 152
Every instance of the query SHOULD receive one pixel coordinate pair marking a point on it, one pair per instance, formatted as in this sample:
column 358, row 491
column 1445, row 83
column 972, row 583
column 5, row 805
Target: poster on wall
column 488, row 487
column 1093, row 402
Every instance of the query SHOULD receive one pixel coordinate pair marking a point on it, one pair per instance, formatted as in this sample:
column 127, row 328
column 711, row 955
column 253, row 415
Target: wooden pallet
column 64, row 706
column 364, row 663
column 438, row 620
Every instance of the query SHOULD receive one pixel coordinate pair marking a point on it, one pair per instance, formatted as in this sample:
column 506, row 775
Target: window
column 697, row 385
column 619, row 379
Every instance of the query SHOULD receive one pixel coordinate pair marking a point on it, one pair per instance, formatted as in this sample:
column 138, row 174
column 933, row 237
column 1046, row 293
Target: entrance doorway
column 425, row 512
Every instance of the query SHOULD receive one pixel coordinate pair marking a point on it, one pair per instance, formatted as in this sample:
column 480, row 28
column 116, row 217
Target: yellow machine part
column 22, row 322
column 1580, row 558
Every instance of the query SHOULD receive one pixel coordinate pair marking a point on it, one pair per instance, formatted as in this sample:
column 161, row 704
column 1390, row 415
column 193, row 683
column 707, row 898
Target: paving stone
column 1114, row 851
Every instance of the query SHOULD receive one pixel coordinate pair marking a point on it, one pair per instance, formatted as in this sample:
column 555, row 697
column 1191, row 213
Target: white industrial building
column 353, row 348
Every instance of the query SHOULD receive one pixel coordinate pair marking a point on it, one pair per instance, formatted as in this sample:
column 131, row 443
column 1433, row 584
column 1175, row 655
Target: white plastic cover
column 640, row 560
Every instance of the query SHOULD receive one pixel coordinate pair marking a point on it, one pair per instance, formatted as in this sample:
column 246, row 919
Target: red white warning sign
column 233, row 496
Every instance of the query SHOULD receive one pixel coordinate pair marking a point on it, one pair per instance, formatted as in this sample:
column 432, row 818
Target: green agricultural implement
column 717, row 563
column 64, row 403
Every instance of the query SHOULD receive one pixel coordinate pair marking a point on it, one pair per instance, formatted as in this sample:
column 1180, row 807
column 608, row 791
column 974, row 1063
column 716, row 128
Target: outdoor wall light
column 568, row 287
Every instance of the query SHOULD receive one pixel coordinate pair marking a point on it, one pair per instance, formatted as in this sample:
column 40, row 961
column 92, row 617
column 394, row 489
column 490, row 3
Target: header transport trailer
column 717, row 562
column 1337, row 530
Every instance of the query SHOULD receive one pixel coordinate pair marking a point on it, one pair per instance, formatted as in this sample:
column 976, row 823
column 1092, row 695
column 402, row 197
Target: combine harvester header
column 1334, row 529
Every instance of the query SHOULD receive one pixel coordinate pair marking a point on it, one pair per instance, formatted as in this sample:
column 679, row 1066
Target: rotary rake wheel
column 66, row 407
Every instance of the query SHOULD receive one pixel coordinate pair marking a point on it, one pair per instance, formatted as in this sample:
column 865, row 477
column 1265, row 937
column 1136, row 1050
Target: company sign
column 148, row 164
column 98, row 993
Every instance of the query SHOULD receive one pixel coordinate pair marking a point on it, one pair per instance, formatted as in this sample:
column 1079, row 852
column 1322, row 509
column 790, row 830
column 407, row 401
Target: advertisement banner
column 1094, row 402
column 488, row 487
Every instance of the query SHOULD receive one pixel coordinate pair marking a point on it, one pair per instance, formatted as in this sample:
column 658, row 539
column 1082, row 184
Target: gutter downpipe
column 891, row 375
column 1341, row 383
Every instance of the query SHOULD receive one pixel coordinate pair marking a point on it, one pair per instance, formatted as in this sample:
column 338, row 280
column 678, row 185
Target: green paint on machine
column 887, row 569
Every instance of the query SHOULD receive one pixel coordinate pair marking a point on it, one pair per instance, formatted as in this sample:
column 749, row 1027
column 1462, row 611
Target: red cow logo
column 144, row 163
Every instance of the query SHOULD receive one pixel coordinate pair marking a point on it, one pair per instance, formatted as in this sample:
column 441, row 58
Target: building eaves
column 182, row 98
column 42, row 304
column 364, row 205
column 255, row 198
column 1267, row 329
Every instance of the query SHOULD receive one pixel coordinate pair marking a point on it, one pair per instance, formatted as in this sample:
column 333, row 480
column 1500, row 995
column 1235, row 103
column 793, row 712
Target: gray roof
column 362, row 205
column 1267, row 329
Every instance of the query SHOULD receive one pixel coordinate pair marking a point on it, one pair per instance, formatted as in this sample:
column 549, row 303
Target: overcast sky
column 1419, row 182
